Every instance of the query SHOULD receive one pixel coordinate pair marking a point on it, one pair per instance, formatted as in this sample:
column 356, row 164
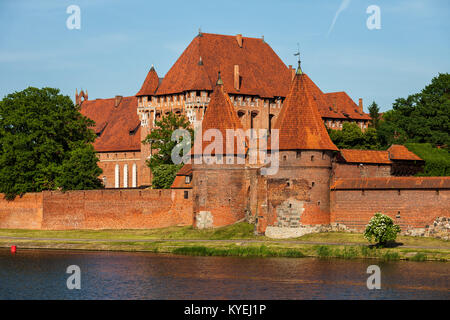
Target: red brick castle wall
column 97, row 209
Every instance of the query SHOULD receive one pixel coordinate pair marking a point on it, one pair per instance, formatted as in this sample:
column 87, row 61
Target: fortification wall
column 98, row 209
column 23, row 213
column 220, row 194
column 409, row 206
column 352, row 170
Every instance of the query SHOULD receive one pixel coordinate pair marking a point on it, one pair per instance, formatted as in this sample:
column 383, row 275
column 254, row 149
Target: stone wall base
column 440, row 228
column 285, row 232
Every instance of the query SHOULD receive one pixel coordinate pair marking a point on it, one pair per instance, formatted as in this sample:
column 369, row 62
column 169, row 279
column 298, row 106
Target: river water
column 41, row 274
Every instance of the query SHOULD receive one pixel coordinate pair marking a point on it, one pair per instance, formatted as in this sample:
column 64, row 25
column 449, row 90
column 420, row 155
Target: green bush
column 419, row 256
column 381, row 229
column 390, row 256
column 324, row 251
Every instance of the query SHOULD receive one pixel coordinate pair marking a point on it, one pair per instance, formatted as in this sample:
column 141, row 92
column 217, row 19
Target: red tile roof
column 399, row 152
column 180, row 183
column 180, row 179
column 221, row 115
column 150, row 84
column 365, row 156
column 185, row 170
column 262, row 72
column 299, row 121
column 345, row 105
column 392, row 183
column 326, row 109
column 114, row 124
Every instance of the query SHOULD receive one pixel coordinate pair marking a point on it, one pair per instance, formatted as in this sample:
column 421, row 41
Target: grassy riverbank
column 236, row 240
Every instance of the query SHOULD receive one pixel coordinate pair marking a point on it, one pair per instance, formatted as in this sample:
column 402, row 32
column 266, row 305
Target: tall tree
column 160, row 140
column 374, row 112
column 45, row 144
column 422, row 117
column 352, row 137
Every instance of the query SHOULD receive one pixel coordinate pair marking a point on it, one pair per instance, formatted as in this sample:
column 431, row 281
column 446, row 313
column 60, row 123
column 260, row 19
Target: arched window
column 134, row 176
column 125, row 176
column 117, row 176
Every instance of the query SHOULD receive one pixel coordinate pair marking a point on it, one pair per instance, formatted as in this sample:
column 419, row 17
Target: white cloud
column 342, row 7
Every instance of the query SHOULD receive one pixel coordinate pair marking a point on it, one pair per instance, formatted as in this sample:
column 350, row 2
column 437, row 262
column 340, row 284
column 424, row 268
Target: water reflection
column 40, row 274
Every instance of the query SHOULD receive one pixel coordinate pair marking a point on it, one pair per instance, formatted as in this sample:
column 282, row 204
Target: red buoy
column 13, row 249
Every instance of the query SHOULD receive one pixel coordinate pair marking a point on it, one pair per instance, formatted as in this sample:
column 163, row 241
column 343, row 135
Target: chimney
column 117, row 101
column 360, row 105
column 236, row 77
column 239, row 40
column 292, row 70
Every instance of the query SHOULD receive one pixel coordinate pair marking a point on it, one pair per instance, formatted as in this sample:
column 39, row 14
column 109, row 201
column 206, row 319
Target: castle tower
column 147, row 115
column 299, row 193
column 218, row 188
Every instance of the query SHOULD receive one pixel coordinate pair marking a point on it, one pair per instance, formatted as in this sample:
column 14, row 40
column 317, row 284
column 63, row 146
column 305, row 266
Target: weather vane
column 299, row 70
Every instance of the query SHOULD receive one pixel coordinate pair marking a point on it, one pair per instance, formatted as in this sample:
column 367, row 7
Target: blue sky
column 119, row 41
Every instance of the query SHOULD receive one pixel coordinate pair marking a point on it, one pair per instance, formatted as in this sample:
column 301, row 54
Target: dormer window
column 132, row 132
column 187, row 179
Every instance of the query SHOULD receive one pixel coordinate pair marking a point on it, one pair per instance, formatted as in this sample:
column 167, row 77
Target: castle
column 254, row 77
column 233, row 82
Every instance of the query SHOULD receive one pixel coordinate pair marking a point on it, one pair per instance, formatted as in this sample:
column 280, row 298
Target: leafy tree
column 45, row 144
column 164, row 175
column 422, row 117
column 79, row 169
column 352, row 137
column 381, row 229
column 374, row 112
column 389, row 132
column 160, row 140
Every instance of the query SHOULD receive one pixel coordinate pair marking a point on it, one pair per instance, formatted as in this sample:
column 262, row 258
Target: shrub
column 323, row 251
column 381, row 229
column 419, row 256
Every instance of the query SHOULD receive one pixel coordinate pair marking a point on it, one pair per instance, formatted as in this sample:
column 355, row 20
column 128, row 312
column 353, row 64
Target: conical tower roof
column 221, row 115
column 150, row 84
column 300, row 125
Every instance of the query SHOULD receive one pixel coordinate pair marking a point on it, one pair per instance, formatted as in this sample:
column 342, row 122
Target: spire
column 299, row 68
column 221, row 115
column 219, row 80
column 150, row 84
column 199, row 32
column 305, row 130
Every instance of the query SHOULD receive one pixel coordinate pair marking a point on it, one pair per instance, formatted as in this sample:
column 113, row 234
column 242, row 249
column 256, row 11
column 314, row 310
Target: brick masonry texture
column 409, row 208
column 97, row 209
